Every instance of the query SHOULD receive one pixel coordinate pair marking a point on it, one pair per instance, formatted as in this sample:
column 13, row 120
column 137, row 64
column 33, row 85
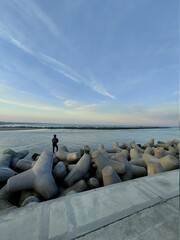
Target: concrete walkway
column 158, row 222
column 144, row 208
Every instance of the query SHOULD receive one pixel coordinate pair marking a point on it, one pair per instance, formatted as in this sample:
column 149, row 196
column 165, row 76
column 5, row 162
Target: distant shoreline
column 5, row 128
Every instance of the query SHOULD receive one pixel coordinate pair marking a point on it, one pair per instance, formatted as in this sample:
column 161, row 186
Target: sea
column 38, row 140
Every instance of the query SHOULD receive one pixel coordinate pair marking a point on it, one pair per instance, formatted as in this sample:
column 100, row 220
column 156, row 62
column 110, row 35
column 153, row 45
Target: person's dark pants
column 55, row 146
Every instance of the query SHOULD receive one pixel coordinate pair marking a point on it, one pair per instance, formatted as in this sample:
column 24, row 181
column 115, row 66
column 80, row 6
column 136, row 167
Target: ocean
column 37, row 140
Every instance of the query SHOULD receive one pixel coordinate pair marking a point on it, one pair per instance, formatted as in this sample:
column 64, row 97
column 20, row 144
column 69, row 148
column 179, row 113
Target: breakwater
column 90, row 127
column 31, row 179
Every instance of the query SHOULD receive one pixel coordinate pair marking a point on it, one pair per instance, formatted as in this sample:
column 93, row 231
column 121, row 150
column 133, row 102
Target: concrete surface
column 144, row 208
column 157, row 222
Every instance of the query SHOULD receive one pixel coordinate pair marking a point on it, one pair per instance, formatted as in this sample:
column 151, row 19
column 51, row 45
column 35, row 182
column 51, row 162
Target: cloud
column 25, row 99
column 133, row 81
column 75, row 76
column 87, row 107
column 166, row 113
column 99, row 88
column 57, row 65
column 60, row 67
column 76, row 106
column 13, row 35
column 20, row 45
column 56, row 94
column 70, row 103
column 176, row 92
column 31, row 9
column 6, row 35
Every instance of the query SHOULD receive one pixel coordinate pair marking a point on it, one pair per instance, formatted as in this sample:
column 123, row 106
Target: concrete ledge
column 160, row 221
column 76, row 215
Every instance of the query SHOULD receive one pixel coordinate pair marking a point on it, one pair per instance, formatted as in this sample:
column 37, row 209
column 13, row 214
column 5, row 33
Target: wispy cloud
column 99, row 87
column 31, row 9
column 57, row 65
column 176, row 92
column 6, row 35
column 57, row 95
column 70, row 103
column 76, row 106
column 134, row 81
column 87, row 107
column 75, row 76
column 165, row 113
column 20, row 45
column 25, row 99
column 60, row 67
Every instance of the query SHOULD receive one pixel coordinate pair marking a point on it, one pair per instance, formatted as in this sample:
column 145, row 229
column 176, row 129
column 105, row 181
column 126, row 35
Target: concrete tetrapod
column 135, row 146
column 5, row 196
column 154, row 168
column 102, row 149
column 135, row 154
column 115, row 147
column 79, row 171
column 128, row 172
column 28, row 197
column 5, row 171
column 152, row 163
column 70, row 167
column 60, row 171
column 126, row 153
column 162, row 144
column 110, row 176
column 171, row 151
column 151, row 142
column 64, row 155
column 166, row 163
column 13, row 163
column 169, row 162
column 123, row 145
column 136, row 158
column 177, row 148
column 159, row 152
column 24, row 164
column 15, row 156
column 132, row 170
column 21, row 154
column 93, row 183
column 38, row 178
column 79, row 186
column 149, row 150
column 87, row 149
column 102, row 161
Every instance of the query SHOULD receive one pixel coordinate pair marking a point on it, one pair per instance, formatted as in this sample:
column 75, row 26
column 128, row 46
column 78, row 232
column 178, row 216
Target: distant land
column 31, row 126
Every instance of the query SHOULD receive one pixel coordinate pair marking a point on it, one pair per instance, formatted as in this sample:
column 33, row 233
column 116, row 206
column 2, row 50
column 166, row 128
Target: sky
column 97, row 61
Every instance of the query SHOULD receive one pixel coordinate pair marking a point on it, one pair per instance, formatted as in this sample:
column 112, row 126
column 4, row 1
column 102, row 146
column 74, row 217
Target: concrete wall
column 75, row 215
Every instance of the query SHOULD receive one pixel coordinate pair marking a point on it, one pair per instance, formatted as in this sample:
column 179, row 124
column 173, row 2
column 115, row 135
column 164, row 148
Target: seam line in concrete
column 150, row 190
column 44, row 227
column 171, row 205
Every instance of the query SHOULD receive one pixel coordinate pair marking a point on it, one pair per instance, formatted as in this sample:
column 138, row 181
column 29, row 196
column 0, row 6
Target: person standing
column 55, row 140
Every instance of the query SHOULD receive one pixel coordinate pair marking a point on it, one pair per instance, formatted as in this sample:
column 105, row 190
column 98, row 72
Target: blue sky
column 81, row 61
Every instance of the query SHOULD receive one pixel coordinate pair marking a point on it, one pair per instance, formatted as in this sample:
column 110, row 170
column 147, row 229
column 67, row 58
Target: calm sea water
column 39, row 140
